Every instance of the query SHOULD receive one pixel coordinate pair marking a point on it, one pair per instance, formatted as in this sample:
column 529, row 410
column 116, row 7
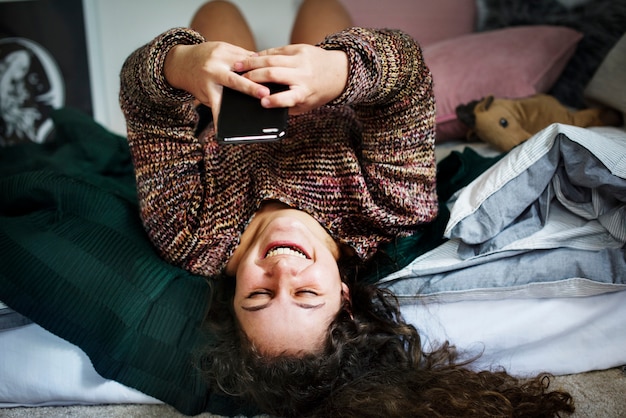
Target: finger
column 257, row 62
column 245, row 85
column 278, row 75
column 271, row 51
column 282, row 50
column 224, row 49
column 216, row 113
column 288, row 98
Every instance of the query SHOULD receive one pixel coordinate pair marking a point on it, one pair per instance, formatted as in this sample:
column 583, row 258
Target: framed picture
column 43, row 66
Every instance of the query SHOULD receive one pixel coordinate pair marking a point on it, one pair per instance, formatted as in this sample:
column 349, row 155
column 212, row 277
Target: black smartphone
column 242, row 119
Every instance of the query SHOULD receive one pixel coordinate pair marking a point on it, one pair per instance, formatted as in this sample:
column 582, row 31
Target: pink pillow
column 508, row 63
column 427, row 21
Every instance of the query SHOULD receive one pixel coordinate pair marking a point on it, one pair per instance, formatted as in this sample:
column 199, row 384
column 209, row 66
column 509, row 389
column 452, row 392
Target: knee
column 215, row 8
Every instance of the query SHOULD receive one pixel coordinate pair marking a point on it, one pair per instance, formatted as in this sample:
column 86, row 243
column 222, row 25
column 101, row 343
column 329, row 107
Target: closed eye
column 269, row 293
column 265, row 297
column 259, row 293
column 266, row 305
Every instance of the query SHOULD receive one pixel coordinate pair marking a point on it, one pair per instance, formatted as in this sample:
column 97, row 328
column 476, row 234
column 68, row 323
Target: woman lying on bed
column 283, row 222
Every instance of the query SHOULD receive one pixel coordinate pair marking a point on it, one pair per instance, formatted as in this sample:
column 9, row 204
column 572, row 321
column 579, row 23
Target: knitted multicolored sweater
column 363, row 165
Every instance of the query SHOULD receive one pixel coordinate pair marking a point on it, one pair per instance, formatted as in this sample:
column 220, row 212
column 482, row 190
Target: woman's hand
column 204, row 68
column 315, row 76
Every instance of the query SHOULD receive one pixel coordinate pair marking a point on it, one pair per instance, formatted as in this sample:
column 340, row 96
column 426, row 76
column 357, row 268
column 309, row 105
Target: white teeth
column 284, row 251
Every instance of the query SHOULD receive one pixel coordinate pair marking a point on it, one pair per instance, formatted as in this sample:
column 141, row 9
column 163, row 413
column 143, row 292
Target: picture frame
column 43, row 66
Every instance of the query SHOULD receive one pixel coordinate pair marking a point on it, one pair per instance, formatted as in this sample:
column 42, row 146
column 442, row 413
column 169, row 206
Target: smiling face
column 288, row 287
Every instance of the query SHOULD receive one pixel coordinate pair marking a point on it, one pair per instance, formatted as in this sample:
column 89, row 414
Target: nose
column 283, row 268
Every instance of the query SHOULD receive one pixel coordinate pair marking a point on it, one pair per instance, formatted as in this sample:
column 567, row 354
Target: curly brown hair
column 373, row 365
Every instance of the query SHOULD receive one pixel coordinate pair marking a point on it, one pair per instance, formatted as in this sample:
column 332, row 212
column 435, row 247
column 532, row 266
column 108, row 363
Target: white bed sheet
column 529, row 336
column 525, row 336
column 38, row 368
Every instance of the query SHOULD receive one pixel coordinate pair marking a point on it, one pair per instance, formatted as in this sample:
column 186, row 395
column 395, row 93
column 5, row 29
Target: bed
column 525, row 265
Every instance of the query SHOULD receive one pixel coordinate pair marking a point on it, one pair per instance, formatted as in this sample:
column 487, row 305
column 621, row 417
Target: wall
column 115, row 28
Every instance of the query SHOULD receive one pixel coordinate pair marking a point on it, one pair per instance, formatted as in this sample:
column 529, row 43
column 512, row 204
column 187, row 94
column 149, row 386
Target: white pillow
column 575, row 334
column 39, row 368
column 608, row 85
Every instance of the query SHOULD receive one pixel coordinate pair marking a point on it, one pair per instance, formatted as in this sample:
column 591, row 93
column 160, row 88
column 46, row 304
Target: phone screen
column 242, row 119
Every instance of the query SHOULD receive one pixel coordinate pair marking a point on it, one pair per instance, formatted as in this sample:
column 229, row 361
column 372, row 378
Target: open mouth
column 285, row 250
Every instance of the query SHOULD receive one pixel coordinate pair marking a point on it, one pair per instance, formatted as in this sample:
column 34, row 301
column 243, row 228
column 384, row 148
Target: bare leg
column 221, row 20
column 318, row 18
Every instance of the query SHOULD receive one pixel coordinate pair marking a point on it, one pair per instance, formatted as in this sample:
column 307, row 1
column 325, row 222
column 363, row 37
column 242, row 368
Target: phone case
column 242, row 119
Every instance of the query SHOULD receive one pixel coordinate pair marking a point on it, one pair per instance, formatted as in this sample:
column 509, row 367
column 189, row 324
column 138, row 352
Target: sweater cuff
column 159, row 49
column 363, row 69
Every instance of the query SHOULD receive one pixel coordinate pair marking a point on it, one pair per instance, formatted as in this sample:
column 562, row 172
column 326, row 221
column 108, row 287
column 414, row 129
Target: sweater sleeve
column 390, row 88
column 174, row 193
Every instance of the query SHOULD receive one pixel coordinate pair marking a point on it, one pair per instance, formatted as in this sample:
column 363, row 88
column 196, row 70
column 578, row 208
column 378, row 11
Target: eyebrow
column 265, row 305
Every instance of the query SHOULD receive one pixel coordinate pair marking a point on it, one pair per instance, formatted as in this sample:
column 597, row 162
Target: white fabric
column 38, row 368
column 529, row 336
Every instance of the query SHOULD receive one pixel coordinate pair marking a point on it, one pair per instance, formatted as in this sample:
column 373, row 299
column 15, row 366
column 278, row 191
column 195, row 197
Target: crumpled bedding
column 549, row 220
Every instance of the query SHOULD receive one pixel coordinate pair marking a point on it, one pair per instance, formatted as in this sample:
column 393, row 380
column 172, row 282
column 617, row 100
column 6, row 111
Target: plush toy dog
column 505, row 123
